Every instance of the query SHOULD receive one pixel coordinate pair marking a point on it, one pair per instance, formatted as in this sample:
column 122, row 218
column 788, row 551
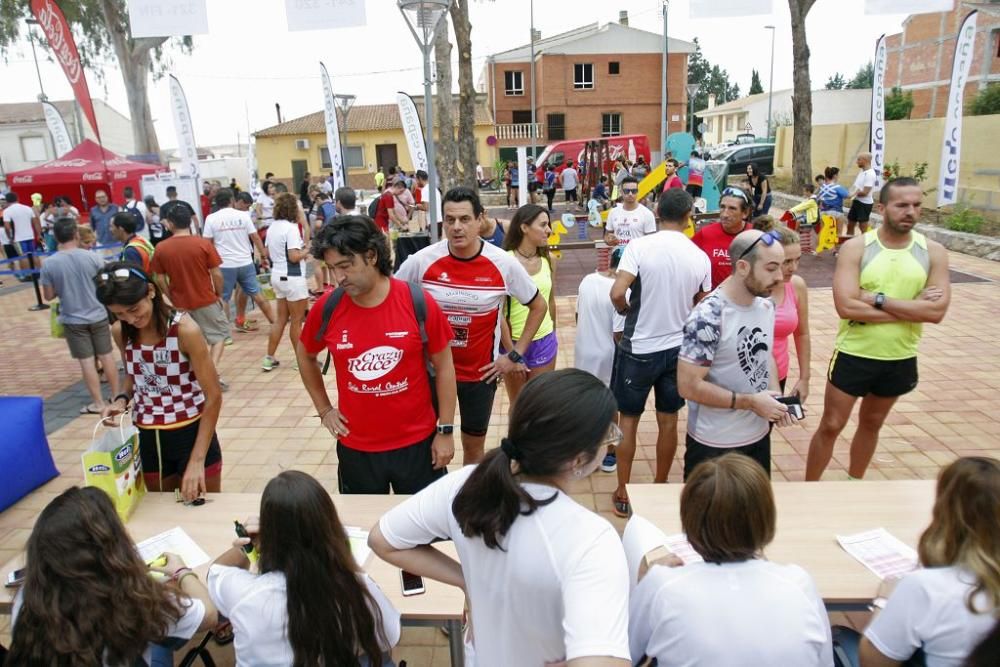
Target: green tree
column 863, row 78
column 101, row 29
column 987, row 101
column 898, row 105
column 710, row 79
column 836, row 82
column 755, row 87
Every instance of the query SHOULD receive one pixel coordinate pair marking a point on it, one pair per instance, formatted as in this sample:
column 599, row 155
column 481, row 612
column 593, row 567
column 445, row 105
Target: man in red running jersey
column 471, row 279
column 387, row 433
column 714, row 239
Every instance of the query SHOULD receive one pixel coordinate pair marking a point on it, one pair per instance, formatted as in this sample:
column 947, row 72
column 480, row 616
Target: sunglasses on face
column 117, row 276
column 769, row 239
column 630, row 191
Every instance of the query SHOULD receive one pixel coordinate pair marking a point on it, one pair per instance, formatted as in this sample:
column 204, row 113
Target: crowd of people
column 702, row 322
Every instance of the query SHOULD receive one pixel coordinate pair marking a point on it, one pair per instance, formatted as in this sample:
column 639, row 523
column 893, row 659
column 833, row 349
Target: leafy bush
column 987, row 101
column 898, row 105
column 894, row 170
column 964, row 219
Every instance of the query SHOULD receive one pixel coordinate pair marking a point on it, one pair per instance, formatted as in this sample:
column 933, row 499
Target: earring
column 577, row 472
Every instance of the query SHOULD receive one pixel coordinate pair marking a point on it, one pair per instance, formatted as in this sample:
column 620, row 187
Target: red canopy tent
column 79, row 174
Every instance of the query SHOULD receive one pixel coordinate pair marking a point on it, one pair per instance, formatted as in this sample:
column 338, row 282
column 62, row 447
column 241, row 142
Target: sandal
column 622, row 508
column 223, row 633
column 90, row 410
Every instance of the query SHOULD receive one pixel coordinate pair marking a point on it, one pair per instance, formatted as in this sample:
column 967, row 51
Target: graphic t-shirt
column 187, row 261
column 471, row 293
column 735, row 343
column 379, row 360
column 230, row 231
column 696, row 171
column 714, row 240
column 628, row 225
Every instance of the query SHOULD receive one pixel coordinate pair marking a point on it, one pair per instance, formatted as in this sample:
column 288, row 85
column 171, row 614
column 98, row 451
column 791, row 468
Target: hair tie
column 510, row 449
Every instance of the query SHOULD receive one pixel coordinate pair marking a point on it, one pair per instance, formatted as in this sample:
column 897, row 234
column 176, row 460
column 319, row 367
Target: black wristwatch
column 879, row 300
column 445, row 429
column 515, row 356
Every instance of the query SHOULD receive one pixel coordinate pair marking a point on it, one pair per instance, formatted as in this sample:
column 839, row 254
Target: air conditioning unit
column 302, row 144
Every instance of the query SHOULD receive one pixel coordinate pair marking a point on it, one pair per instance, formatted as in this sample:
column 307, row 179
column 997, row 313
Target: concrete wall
column 909, row 142
column 277, row 153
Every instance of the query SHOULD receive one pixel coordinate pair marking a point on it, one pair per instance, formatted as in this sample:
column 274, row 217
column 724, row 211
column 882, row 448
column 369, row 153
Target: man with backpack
column 135, row 248
column 137, row 209
column 389, row 342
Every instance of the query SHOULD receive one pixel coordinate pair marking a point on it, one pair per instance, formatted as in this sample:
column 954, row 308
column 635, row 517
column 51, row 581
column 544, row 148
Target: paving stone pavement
column 268, row 424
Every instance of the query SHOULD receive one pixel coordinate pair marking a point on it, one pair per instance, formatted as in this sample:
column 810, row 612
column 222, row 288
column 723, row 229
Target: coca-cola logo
column 93, row 176
column 374, row 363
column 52, row 26
column 22, row 180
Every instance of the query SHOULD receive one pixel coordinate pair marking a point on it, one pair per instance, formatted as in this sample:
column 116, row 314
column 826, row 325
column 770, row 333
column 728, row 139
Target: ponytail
column 547, row 432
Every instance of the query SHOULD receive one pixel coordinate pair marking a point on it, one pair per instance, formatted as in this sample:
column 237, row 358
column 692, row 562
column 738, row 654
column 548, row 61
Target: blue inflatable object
column 25, row 460
column 680, row 145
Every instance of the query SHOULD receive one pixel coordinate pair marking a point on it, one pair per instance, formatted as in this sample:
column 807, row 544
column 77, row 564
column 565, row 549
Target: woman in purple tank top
column 791, row 316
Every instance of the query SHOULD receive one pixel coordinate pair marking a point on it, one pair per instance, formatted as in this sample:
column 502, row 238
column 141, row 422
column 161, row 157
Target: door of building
column 386, row 156
column 299, row 169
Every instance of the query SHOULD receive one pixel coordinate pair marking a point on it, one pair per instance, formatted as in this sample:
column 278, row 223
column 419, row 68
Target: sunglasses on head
column 769, row 239
column 118, row 276
column 614, row 436
column 735, row 192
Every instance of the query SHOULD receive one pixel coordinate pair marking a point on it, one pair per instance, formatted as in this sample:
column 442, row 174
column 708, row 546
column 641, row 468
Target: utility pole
column 663, row 96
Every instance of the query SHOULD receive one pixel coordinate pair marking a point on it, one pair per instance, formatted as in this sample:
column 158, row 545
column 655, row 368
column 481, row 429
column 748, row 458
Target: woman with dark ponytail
column 546, row 577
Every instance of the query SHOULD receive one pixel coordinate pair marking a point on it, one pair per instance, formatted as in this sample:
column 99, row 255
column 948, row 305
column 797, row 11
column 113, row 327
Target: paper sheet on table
column 174, row 541
column 881, row 552
column 359, row 544
column 641, row 537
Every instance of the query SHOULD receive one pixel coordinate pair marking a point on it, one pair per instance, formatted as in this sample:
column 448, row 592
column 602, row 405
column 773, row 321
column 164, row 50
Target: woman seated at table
column 735, row 608
column 546, row 578
column 309, row 603
column 951, row 605
column 88, row 599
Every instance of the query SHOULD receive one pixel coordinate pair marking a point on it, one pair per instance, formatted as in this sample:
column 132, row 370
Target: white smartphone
column 412, row 584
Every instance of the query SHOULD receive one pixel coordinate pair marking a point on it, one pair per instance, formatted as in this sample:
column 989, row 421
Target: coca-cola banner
column 60, row 39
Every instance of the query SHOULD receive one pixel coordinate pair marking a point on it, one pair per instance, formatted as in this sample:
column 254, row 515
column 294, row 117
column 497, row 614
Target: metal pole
column 533, row 119
column 691, row 114
column 34, row 54
column 770, row 84
column 432, row 212
column 663, row 96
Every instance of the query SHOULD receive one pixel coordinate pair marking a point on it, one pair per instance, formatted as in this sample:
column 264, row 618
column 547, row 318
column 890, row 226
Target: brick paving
column 267, row 423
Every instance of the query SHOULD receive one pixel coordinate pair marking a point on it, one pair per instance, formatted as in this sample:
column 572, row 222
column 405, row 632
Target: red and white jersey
column 471, row 293
column 166, row 389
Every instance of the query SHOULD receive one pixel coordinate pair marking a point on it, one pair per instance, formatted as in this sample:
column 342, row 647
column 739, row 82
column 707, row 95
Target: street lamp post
column 663, row 96
column 423, row 17
column 770, row 84
column 534, row 120
column 31, row 38
column 692, row 89
column 344, row 103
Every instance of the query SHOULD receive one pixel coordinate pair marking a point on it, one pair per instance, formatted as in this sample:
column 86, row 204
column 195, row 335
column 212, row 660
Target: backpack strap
column 419, row 309
column 329, row 306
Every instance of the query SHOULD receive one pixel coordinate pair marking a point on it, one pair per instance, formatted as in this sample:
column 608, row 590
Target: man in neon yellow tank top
column 888, row 282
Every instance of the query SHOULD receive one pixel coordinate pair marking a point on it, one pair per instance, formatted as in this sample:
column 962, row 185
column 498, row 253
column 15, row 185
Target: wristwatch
column 515, row 356
column 879, row 300
column 445, row 429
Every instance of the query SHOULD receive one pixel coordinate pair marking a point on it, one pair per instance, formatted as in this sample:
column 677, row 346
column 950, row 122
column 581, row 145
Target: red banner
column 57, row 32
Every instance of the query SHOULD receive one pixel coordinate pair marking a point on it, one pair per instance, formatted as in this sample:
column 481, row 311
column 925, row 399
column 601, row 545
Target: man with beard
column 888, row 282
column 714, row 239
column 726, row 370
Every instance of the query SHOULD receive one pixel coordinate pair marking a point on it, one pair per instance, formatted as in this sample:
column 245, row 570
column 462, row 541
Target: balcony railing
column 518, row 131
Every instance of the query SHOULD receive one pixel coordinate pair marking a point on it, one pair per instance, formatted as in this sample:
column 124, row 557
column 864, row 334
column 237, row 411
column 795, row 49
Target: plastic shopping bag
column 112, row 463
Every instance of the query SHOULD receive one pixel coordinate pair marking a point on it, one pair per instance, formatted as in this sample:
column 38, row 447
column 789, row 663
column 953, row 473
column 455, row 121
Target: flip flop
column 622, row 508
column 90, row 410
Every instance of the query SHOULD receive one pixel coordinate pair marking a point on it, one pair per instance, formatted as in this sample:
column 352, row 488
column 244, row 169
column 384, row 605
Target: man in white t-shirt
column 233, row 234
column 570, row 179
column 132, row 203
column 863, row 192
column 667, row 275
column 631, row 220
column 22, row 227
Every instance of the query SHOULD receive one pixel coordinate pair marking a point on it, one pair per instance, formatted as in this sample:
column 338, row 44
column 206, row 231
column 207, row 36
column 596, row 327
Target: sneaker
column 610, row 463
column 223, row 385
column 269, row 364
column 228, row 341
column 246, row 326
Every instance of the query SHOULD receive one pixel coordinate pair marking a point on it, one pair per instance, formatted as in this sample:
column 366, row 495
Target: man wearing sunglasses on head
column 714, row 239
column 630, row 220
column 726, row 370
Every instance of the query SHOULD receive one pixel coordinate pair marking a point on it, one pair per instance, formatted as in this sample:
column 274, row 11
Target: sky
column 249, row 60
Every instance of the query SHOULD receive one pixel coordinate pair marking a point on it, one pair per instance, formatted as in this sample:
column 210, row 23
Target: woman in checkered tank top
column 170, row 383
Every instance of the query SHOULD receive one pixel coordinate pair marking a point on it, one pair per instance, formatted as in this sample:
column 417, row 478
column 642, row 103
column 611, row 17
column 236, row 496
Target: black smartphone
column 413, row 584
column 794, row 404
column 15, row 578
column 248, row 549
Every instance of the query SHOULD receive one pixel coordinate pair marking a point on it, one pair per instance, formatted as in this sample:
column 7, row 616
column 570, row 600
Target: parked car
column 738, row 157
column 740, row 140
column 630, row 146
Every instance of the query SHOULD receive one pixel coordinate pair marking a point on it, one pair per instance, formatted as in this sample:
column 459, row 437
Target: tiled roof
column 363, row 118
column 28, row 112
